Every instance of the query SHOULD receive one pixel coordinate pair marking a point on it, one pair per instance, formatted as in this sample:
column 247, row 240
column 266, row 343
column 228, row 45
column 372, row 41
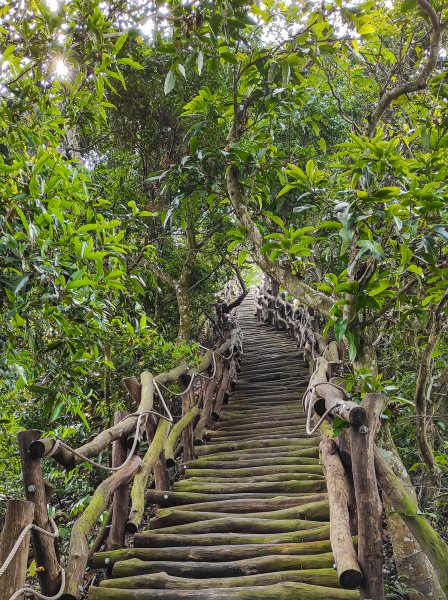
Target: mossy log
column 172, row 498
column 248, row 505
column 219, row 400
column 404, row 503
column 324, row 577
column 327, row 394
column 206, row 414
column 204, row 553
column 142, row 477
column 280, row 477
column 281, row 452
column 263, row 501
column 210, row 462
column 118, row 513
column 36, row 491
column 279, row 591
column 318, row 511
column 242, row 525
column 234, row 428
column 307, row 456
column 239, row 425
column 79, row 548
column 199, row 569
column 282, row 432
column 279, row 487
column 368, row 502
column 293, row 444
column 223, row 473
column 158, row 539
column 175, row 433
column 346, row 561
column 42, row 447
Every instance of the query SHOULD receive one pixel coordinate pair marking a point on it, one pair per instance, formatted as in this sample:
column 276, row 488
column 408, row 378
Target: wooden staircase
column 251, row 517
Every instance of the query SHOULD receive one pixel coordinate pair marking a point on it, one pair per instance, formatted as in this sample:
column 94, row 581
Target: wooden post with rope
column 19, row 514
column 35, row 491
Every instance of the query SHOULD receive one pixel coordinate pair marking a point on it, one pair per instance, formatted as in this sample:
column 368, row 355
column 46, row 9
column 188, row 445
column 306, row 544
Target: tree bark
column 19, row 514
column 44, row 546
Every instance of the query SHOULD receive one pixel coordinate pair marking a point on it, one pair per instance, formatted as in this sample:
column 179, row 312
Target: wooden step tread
column 250, row 517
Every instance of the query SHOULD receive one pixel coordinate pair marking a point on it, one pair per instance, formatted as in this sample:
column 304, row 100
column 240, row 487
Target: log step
column 250, row 517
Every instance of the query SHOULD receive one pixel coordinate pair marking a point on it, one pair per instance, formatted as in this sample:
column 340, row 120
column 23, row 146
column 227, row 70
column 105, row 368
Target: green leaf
column 21, row 283
column 130, row 63
column 353, row 343
column 340, row 327
column 170, row 81
column 243, row 254
column 285, row 190
column 338, row 426
column 415, row 269
column 322, row 144
column 182, row 70
column 119, row 43
column 57, row 411
column 32, row 570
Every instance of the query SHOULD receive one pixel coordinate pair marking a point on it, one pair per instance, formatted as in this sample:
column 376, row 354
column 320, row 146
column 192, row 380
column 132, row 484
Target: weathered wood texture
column 346, row 561
column 35, row 491
column 368, row 502
column 120, row 502
column 79, row 550
column 250, row 519
column 19, row 514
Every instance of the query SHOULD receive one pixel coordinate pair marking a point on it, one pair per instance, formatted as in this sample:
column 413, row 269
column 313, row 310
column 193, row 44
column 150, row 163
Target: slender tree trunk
column 184, row 307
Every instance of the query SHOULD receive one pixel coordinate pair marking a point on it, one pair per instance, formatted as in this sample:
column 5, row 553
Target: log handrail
column 367, row 467
column 128, row 431
column 327, row 400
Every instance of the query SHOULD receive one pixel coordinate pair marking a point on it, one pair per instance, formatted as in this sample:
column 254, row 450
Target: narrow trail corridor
column 251, row 517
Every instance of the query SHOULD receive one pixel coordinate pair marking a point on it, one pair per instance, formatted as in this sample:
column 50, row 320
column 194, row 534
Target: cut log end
column 131, row 527
column 358, row 415
column 350, row 579
column 37, row 449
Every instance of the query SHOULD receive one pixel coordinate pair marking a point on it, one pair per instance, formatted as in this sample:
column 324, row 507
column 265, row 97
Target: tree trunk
column 184, row 307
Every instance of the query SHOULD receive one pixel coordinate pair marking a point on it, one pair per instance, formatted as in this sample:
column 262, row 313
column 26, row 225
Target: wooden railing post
column 44, row 546
column 368, row 502
column 19, row 514
column 120, row 501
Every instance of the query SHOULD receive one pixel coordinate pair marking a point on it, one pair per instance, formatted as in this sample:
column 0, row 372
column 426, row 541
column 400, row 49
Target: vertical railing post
column 44, row 546
column 19, row 514
column 368, row 502
column 120, row 502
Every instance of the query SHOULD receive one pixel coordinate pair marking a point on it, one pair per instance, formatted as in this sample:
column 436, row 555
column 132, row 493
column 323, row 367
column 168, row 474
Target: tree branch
column 420, row 81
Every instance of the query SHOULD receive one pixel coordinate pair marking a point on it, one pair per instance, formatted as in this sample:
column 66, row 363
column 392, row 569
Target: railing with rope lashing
column 354, row 467
column 348, row 460
column 166, row 439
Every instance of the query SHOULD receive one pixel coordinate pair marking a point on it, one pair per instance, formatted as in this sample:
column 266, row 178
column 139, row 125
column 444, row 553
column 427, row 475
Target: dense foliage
column 149, row 151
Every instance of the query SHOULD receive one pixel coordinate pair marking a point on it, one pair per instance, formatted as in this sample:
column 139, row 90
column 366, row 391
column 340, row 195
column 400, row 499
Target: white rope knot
column 308, row 405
